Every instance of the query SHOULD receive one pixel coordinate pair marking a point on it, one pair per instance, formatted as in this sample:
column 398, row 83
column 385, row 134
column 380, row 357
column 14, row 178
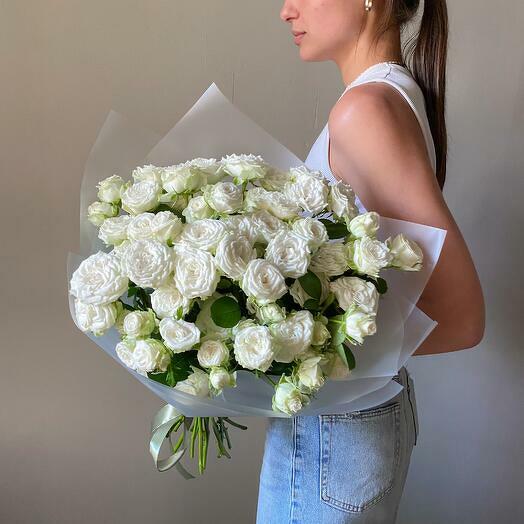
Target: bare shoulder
column 377, row 146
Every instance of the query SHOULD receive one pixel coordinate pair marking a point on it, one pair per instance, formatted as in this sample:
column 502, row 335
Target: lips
column 298, row 36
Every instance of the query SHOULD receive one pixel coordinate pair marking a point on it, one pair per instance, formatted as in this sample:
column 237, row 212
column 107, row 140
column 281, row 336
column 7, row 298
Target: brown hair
column 425, row 54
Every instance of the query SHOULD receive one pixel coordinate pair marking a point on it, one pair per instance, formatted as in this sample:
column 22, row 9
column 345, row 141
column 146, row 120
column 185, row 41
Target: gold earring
column 368, row 4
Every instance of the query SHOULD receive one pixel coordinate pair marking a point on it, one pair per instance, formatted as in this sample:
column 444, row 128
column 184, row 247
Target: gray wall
column 73, row 424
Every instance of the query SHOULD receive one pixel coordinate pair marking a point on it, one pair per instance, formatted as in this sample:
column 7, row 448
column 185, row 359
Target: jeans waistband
column 402, row 376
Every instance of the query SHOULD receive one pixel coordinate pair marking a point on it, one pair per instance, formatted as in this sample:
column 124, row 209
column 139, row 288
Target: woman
column 386, row 137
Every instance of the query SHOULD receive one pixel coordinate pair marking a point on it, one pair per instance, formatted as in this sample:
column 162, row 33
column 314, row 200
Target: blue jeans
column 335, row 469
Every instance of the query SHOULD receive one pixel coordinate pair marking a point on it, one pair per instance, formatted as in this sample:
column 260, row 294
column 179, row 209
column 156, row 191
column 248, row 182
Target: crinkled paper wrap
column 214, row 127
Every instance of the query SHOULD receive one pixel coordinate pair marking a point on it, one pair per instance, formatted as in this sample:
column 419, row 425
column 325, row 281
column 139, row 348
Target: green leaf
column 349, row 357
column 311, row 304
column 335, row 229
column 224, row 283
column 311, row 285
column 132, row 290
column 178, row 369
column 225, row 312
column 381, row 285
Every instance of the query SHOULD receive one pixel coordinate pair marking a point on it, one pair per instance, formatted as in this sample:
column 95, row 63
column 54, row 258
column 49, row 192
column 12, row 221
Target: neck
column 357, row 58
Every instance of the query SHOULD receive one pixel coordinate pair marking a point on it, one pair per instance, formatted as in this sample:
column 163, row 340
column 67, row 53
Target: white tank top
column 401, row 79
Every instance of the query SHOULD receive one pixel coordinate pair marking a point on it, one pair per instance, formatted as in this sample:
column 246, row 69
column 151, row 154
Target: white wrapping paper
column 214, row 127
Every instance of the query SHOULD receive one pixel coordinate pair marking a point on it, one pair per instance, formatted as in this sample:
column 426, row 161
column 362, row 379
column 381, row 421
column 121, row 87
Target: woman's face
column 330, row 27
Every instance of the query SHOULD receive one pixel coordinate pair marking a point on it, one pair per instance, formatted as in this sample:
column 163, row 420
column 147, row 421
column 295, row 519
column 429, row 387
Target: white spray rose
column 220, row 378
column 124, row 350
column 257, row 198
column 196, row 274
column 148, row 173
column 99, row 279
column 182, row 178
column 334, row 367
column 313, row 231
column 179, row 335
column 253, row 347
column 140, row 226
column 242, row 225
column 406, row 253
column 197, row 383
column 288, row 398
column 197, row 209
column 289, row 252
column 119, row 249
column 320, row 334
column 148, row 263
column 175, row 201
column 293, row 336
column 120, row 317
column 205, row 322
column 233, row 254
column 275, row 179
column 139, row 324
column 212, row 353
column 310, row 373
column 166, row 226
column 224, row 197
column 299, row 294
column 263, row 281
column 244, row 168
column 354, row 290
column 357, row 325
column 97, row 319
column 331, row 259
column 270, row 313
column 204, row 234
column 365, row 224
column 109, row 189
column 209, row 167
column 167, row 301
column 114, row 229
column 97, row 212
column 140, row 197
column 266, row 226
column 309, row 189
column 369, row 255
column 342, row 201
column 150, row 355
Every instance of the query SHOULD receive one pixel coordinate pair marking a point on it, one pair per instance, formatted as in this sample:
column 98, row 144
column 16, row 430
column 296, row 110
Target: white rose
column 179, row 335
column 197, row 383
column 243, row 225
column 204, row 234
column 293, row 336
column 97, row 319
column 309, row 189
column 289, row 253
column 224, row 197
column 331, row 258
column 267, row 226
column 140, row 226
column 167, row 301
column 270, row 313
column 365, row 224
column 406, row 253
column 140, row 197
column 124, row 351
column 209, row 167
column 342, row 201
column 358, row 325
column 196, row 272
column 197, row 209
column 313, row 231
column 120, row 317
column 299, row 294
column 263, row 281
column 280, row 205
column 275, row 179
column 182, row 178
column 119, row 249
column 288, row 398
column 114, row 229
column 109, row 189
column 212, row 353
column 150, row 355
column 310, row 373
column 148, row 173
column 138, row 324
column 369, row 255
column 148, row 263
column 205, row 323
column 320, row 334
column 99, row 279
column 244, row 167
column 253, row 347
column 354, row 290
column 233, row 254
column 175, row 201
column 97, row 212
column 334, row 367
column 220, row 378
column 166, row 226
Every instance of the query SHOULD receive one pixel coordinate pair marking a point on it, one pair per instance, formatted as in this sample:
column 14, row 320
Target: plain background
column 73, row 424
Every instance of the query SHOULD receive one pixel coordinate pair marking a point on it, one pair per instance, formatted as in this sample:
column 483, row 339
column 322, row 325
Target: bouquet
column 208, row 272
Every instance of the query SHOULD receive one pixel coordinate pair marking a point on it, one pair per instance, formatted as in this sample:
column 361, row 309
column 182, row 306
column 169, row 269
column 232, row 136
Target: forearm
column 444, row 339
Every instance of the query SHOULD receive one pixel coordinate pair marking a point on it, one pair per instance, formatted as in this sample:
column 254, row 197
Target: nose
column 288, row 11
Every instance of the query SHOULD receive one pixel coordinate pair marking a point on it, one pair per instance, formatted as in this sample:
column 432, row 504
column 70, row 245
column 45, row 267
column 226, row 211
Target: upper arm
column 378, row 148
